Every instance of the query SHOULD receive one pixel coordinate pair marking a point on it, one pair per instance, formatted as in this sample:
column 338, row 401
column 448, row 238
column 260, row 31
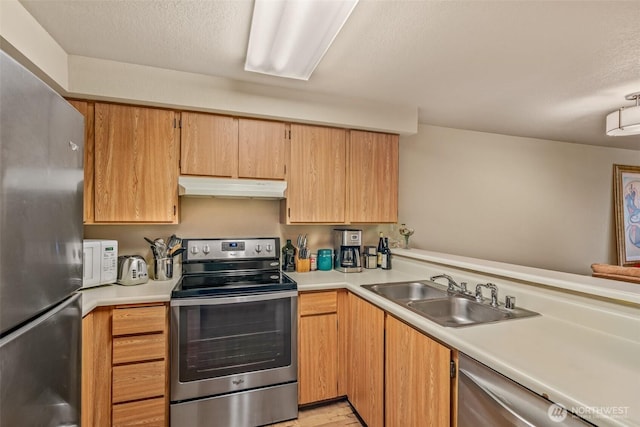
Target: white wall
column 22, row 37
column 116, row 81
column 525, row 201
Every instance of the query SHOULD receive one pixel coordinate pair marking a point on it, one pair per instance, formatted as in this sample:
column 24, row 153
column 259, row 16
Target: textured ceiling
column 544, row 69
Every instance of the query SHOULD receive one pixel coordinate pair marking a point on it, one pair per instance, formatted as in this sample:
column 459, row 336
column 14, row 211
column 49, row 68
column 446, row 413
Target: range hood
column 231, row 187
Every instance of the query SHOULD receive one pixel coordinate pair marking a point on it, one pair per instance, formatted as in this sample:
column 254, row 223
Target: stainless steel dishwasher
column 487, row 398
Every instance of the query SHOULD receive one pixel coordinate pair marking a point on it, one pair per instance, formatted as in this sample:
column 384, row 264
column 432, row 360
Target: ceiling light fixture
column 289, row 37
column 626, row 120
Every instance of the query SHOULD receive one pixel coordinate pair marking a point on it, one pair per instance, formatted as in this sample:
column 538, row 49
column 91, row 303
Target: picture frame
column 626, row 200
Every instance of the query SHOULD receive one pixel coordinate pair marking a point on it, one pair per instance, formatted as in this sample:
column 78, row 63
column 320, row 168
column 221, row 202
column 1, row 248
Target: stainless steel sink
column 407, row 291
column 457, row 311
column 449, row 309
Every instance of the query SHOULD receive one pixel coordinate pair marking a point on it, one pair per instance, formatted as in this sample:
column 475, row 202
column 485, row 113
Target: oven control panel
column 221, row 249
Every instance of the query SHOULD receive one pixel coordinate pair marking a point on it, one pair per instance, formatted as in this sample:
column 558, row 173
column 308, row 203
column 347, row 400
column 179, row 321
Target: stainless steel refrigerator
column 41, row 182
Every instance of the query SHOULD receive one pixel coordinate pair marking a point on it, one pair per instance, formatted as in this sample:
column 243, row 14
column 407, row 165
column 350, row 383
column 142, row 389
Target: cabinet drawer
column 318, row 303
column 138, row 381
column 147, row 413
column 138, row 320
column 139, row 348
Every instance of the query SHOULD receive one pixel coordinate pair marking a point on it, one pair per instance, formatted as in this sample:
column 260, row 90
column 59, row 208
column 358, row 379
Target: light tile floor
column 336, row 414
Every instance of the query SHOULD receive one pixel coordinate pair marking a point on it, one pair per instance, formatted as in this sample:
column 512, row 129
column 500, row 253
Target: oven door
column 227, row 344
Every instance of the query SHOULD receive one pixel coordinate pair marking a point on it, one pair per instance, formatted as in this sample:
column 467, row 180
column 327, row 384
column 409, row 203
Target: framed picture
column 626, row 199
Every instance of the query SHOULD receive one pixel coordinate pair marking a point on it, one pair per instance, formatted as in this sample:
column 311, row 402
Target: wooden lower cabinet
column 150, row 412
column 365, row 375
column 96, row 368
column 392, row 374
column 317, row 347
column 417, row 378
column 125, row 366
column 136, row 381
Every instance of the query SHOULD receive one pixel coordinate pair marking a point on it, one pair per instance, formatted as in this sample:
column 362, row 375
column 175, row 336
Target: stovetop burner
column 220, row 267
column 220, row 284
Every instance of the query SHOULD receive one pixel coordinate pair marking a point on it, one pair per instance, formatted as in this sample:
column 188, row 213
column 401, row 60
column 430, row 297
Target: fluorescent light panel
column 289, row 37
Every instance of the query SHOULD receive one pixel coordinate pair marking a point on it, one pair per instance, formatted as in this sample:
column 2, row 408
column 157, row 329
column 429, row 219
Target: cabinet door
column 318, row 358
column 136, row 164
column 209, row 145
column 365, row 386
column 138, row 381
column 139, row 320
column 86, row 109
column 417, row 378
column 96, row 368
column 149, row 412
column 373, row 177
column 261, row 147
column 316, row 183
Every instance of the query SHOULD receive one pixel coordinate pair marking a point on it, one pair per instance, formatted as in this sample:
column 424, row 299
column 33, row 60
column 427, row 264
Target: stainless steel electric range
column 233, row 335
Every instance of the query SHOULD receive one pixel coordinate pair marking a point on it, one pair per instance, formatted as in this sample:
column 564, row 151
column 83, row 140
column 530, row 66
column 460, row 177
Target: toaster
column 132, row 270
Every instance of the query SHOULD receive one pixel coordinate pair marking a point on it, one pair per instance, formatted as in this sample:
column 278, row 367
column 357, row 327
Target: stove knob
column 258, row 248
column 206, row 249
column 194, row 250
column 269, row 248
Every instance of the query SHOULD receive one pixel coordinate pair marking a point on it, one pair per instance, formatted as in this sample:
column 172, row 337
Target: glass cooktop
column 232, row 283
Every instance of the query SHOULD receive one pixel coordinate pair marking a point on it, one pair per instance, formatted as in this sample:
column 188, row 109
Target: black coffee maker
column 347, row 244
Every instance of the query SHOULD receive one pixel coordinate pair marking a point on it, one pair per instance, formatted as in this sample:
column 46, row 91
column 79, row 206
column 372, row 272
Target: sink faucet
column 494, row 293
column 452, row 283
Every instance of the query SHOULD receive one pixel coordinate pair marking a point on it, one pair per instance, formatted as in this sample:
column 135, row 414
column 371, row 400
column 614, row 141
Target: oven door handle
column 212, row 300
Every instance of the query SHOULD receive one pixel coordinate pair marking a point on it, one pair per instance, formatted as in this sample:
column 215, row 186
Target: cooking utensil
column 177, row 252
column 161, row 247
column 174, row 248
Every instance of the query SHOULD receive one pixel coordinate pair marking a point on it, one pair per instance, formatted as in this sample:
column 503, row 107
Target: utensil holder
column 163, row 268
column 303, row 265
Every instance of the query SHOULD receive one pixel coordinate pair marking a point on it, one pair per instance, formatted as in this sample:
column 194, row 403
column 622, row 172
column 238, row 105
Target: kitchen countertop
column 582, row 352
column 152, row 291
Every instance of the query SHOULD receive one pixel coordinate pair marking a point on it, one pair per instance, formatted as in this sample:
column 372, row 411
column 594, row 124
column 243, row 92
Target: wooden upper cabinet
column 86, row 109
column 136, row 164
column 261, row 146
column 231, row 147
column 317, row 175
column 209, row 145
column 373, row 177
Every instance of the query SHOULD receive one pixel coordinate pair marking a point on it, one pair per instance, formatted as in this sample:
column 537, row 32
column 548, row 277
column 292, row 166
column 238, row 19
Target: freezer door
column 41, row 183
column 40, row 370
